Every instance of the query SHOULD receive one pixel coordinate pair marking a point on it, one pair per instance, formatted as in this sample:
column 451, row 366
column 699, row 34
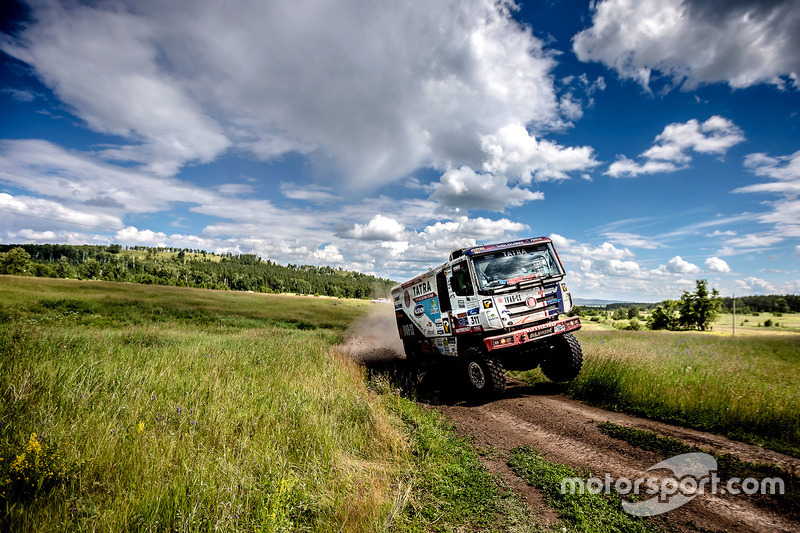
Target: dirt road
column 566, row 431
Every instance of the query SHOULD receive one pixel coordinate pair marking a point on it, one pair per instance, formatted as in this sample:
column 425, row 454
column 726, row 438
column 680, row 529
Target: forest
column 187, row 268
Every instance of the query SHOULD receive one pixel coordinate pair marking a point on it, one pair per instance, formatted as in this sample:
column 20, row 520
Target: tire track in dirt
column 566, row 431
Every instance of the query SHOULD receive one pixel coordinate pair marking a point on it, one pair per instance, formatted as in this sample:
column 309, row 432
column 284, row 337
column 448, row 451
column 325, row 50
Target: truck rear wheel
column 485, row 374
column 565, row 360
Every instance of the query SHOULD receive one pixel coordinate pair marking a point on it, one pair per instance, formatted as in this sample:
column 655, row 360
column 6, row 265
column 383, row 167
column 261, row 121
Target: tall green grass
column 743, row 387
column 141, row 408
column 155, row 408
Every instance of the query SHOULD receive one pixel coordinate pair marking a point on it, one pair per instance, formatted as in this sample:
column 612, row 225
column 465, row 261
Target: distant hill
column 186, row 267
column 589, row 302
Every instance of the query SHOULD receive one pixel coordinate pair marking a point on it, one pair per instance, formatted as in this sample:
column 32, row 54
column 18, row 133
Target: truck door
column 465, row 312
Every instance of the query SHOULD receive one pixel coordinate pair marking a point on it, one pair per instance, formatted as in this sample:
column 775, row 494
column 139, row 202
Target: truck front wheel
column 565, row 359
column 485, row 374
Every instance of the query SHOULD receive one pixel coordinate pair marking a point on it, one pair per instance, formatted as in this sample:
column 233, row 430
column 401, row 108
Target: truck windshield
column 507, row 267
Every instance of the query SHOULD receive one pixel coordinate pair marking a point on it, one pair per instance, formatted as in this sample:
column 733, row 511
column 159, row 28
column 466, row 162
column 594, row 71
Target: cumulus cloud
column 145, row 237
column 380, row 228
column 612, row 271
column 692, row 42
column 512, row 151
column 669, row 151
column 677, row 265
column 374, row 90
column 753, row 284
column 715, row 264
column 328, row 254
column 104, row 65
column 464, row 188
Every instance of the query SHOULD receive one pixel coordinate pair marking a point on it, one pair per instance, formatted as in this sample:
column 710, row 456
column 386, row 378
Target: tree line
column 187, row 268
column 695, row 309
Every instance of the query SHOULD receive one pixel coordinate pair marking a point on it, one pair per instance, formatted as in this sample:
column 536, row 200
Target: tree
column 16, row 262
column 699, row 308
column 664, row 316
column 633, row 312
column 620, row 314
column 781, row 306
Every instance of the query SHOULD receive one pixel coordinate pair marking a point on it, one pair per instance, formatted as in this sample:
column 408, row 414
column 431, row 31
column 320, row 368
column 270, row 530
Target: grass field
column 745, row 387
column 148, row 408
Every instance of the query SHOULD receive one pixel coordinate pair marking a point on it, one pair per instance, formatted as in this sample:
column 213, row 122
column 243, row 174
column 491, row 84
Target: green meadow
column 129, row 407
column 139, row 408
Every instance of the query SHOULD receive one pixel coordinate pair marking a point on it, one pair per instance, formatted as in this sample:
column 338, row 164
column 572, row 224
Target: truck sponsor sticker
column 419, row 310
column 473, row 311
column 407, row 299
column 423, row 291
column 522, row 278
column 487, row 304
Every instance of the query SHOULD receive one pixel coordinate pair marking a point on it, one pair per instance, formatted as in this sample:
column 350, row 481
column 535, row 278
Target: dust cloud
column 374, row 338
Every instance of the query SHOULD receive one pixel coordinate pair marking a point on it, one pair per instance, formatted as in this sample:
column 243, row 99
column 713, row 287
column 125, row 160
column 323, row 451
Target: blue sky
column 656, row 142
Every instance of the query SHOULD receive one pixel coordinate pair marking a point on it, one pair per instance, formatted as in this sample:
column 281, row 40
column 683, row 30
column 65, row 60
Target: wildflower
column 140, row 427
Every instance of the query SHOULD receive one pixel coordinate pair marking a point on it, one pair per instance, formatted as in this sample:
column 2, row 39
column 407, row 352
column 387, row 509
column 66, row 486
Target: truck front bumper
column 524, row 336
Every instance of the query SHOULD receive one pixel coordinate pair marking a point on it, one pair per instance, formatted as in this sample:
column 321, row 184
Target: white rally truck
column 491, row 308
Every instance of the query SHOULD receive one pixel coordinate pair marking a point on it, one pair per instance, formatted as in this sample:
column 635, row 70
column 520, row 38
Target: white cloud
column 24, row 96
column 380, row 228
column 464, row 188
column 329, row 254
column 512, row 151
column 47, row 213
column 76, row 178
column 784, row 215
column 718, row 233
column 145, row 237
column 678, row 265
column 374, row 90
column 631, row 239
column 310, row 193
column 693, row 42
column 715, row 264
column 669, row 152
column 785, row 168
column 752, row 284
column 754, row 240
column 104, row 65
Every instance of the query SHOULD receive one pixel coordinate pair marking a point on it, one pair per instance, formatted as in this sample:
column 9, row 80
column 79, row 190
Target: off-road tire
column 411, row 348
column 485, row 375
column 565, row 359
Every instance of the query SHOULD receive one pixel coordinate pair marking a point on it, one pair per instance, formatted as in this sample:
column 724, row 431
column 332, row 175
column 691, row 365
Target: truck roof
column 499, row 246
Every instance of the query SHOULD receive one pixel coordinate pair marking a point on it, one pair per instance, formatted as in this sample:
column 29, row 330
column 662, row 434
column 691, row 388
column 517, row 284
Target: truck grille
column 518, row 310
